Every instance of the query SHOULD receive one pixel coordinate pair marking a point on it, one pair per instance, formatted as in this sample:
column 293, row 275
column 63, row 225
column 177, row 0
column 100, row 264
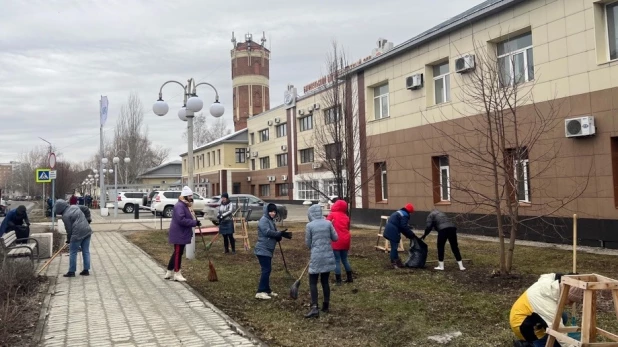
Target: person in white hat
column 181, row 232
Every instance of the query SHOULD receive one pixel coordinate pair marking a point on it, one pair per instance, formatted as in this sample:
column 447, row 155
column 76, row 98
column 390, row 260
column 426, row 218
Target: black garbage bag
column 418, row 254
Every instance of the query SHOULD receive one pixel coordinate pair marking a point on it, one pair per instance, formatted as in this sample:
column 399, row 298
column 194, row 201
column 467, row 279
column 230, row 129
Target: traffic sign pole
column 52, row 165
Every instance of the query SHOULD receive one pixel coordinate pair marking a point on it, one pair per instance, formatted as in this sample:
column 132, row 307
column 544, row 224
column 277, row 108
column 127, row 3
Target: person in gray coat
column 446, row 232
column 78, row 235
column 319, row 234
column 268, row 236
column 226, row 223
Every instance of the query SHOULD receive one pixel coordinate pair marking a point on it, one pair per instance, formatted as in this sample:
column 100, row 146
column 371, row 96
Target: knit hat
column 576, row 295
column 186, row 191
column 225, row 195
column 410, row 208
column 271, row 208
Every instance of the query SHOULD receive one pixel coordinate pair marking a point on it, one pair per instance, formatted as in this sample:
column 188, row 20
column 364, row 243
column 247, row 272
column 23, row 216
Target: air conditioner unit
column 277, row 120
column 284, row 177
column 206, row 180
column 270, row 123
column 284, row 148
column 255, row 154
column 248, row 178
column 272, row 178
column 310, row 108
column 316, row 165
column 465, row 63
column 414, row 81
column 248, row 150
column 316, row 106
column 579, row 126
column 203, row 180
column 301, row 112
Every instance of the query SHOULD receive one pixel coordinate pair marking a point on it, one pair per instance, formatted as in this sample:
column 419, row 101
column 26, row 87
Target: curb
column 40, row 325
column 235, row 327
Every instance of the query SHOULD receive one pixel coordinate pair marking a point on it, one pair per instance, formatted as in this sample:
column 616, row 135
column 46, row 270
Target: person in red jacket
column 339, row 217
column 73, row 200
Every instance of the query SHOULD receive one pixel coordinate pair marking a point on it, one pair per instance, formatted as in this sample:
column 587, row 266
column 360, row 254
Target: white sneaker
column 440, row 266
column 461, row 267
column 273, row 294
column 168, row 274
column 178, row 277
column 262, row 296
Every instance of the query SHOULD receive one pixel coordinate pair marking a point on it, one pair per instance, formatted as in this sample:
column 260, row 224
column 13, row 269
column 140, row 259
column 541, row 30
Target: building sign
column 289, row 97
column 329, row 79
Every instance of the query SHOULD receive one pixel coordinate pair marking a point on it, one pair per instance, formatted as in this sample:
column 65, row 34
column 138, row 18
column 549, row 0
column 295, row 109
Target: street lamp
column 116, row 160
column 191, row 104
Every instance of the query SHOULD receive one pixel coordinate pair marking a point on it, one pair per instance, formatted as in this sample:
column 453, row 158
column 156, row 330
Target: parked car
column 128, row 200
column 254, row 203
column 3, row 207
column 164, row 201
column 148, row 198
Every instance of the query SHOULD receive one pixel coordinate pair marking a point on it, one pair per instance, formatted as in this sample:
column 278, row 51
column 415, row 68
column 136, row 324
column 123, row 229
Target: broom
column 212, row 273
column 296, row 285
column 52, row 258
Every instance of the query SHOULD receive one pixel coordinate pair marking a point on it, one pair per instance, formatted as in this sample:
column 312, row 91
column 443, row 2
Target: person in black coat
column 447, row 231
column 226, row 223
column 398, row 224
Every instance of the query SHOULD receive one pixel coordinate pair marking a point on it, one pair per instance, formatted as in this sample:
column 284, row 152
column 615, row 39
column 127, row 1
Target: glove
column 287, row 235
column 199, row 224
column 278, row 238
column 423, row 237
column 68, row 241
column 283, row 231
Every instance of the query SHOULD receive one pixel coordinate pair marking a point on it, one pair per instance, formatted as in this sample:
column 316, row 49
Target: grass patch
column 383, row 307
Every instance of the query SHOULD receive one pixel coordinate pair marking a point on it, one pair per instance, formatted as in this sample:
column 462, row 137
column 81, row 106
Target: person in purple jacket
column 181, row 232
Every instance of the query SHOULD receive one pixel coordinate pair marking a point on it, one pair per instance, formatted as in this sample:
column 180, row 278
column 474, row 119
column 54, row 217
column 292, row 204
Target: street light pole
column 192, row 104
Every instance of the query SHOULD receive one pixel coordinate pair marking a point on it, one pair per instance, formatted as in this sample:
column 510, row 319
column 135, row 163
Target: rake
column 296, row 285
column 284, row 263
column 212, row 273
column 52, row 258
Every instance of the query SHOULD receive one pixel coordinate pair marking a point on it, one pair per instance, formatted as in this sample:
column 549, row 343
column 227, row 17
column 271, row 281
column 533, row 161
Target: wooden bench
column 12, row 249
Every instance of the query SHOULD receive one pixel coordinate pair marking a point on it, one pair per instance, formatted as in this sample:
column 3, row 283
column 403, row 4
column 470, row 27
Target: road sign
column 52, row 174
column 52, row 161
column 43, row 176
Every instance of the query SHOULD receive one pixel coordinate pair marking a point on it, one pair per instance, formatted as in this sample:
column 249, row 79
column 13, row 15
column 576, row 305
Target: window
column 265, row 163
column 380, row 101
column 441, row 83
column 263, row 134
column 236, row 188
column 241, row 155
column 515, row 60
column 330, row 187
column 264, row 189
column 333, row 151
column 611, row 10
column 308, row 190
column 253, row 164
column 305, row 123
column 281, row 130
column 281, row 189
column 252, row 138
column 306, row 155
column 381, row 182
column 441, row 179
column 522, row 178
column 282, row 160
column 332, row 115
column 219, row 156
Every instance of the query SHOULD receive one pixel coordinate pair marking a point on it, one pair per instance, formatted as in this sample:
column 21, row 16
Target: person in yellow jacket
column 535, row 309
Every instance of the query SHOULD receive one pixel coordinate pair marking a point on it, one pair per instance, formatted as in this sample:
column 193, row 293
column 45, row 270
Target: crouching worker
column 446, row 232
column 398, row 224
column 17, row 220
column 535, row 309
column 319, row 234
column 78, row 235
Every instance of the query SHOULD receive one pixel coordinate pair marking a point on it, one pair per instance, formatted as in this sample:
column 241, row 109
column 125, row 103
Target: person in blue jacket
column 398, row 224
column 15, row 220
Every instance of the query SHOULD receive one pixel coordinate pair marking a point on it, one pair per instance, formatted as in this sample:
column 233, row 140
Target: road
column 13, row 204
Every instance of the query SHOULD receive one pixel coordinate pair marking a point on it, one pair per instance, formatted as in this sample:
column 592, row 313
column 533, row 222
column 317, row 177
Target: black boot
column 314, row 313
column 349, row 277
column 337, row 280
column 325, row 307
column 69, row 274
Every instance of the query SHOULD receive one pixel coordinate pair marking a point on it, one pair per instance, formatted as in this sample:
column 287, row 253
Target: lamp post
column 116, row 160
column 102, row 195
column 191, row 104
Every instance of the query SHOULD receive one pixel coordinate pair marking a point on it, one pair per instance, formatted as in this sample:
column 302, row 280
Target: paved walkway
column 125, row 302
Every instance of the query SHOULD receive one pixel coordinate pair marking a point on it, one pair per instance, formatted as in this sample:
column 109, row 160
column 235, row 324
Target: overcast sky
column 58, row 57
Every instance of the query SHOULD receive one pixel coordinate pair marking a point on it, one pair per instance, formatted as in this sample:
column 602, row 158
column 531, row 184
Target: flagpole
column 102, row 176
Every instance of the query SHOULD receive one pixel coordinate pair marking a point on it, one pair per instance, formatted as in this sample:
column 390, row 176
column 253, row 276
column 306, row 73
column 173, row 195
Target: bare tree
column 337, row 139
column 494, row 156
column 24, row 175
column 131, row 140
column 205, row 132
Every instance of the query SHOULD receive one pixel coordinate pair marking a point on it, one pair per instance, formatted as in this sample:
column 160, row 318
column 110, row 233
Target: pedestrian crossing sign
column 43, row 176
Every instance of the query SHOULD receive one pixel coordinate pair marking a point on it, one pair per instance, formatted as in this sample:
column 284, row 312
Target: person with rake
column 181, row 232
column 319, row 234
column 226, row 223
column 268, row 236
